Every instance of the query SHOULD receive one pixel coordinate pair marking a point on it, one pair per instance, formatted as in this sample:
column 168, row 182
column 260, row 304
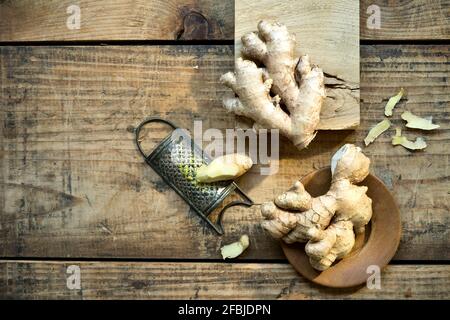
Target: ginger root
column 327, row 223
column 294, row 81
column 226, row 167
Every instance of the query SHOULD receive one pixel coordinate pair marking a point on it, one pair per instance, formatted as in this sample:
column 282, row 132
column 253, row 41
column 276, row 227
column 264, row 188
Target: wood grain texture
column 160, row 280
column 407, row 20
column 73, row 185
column 419, row 180
column 43, row 20
column 320, row 27
column 31, row 20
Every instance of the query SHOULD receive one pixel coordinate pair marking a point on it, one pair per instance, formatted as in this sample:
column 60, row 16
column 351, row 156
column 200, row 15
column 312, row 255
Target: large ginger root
column 298, row 84
column 327, row 223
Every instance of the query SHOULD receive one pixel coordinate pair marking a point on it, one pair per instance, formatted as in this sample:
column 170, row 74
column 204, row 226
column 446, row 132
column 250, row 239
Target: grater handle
column 143, row 123
column 246, row 203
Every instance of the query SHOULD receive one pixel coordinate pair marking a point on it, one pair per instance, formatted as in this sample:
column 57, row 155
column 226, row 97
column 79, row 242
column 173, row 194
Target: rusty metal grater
column 175, row 159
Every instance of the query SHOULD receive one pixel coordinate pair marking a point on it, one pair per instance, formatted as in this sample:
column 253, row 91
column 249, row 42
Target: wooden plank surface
column 43, row 20
column 38, row 20
column 162, row 280
column 73, row 185
column 321, row 27
column 407, row 20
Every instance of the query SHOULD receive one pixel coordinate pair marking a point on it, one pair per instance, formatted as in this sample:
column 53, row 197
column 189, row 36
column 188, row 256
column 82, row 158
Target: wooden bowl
column 376, row 246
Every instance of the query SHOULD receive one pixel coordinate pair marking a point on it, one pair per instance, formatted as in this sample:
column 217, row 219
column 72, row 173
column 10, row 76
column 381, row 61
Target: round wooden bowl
column 375, row 247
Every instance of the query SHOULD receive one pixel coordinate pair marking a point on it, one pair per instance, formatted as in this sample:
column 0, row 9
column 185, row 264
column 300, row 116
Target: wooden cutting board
column 327, row 30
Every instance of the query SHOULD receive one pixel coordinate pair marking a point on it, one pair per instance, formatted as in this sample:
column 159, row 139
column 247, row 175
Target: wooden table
column 74, row 191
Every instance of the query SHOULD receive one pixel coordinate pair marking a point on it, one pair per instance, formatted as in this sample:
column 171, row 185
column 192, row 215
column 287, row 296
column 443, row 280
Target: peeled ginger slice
column 235, row 249
column 390, row 105
column 398, row 139
column 416, row 122
column 376, row 131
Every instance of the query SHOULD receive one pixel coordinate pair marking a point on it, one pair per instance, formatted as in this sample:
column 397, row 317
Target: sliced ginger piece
column 390, row 105
column 416, row 122
column 226, row 167
column 398, row 139
column 376, row 131
column 235, row 249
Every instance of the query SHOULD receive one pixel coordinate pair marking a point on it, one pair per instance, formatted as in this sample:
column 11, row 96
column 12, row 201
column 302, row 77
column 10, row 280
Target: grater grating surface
column 176, row 159
column 177, row 163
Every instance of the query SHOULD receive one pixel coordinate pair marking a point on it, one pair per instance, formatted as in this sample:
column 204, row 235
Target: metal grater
column 175, row 159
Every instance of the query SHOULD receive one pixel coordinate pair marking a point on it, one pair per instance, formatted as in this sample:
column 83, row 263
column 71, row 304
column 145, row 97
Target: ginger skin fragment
column 235, row 249
column 327, row 223
column 398, row 139
column 376, row 131
column 294, row 81
column 390, row 105
column 226, row 167
column 416, row 122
